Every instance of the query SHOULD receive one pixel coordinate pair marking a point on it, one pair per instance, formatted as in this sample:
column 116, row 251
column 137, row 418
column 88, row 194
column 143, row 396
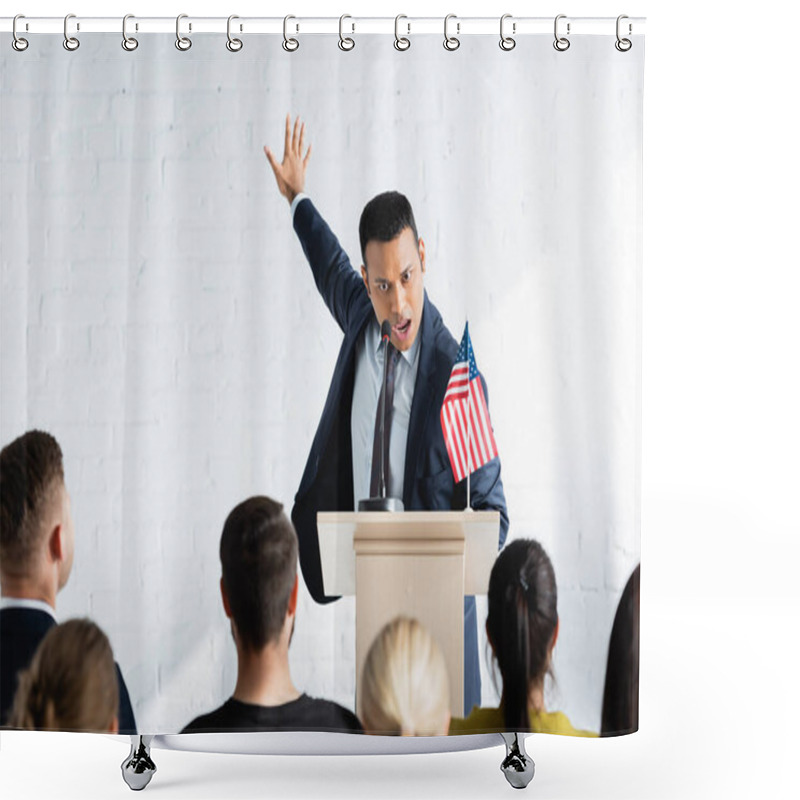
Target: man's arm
column 291, row 172
column 336, row 280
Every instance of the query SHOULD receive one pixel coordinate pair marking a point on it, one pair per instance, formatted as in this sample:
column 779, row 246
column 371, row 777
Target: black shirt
column 304, row 714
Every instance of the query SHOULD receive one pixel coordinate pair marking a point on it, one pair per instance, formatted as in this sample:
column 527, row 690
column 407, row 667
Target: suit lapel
column 421, row 404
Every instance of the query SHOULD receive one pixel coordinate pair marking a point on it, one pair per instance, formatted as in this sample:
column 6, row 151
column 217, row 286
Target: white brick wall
column 159, row 319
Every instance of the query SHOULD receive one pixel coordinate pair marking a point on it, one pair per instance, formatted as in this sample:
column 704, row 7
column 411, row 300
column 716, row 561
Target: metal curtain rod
column 459, row 26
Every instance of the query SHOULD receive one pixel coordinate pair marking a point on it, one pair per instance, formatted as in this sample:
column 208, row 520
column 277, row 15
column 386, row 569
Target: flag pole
column 469, row 417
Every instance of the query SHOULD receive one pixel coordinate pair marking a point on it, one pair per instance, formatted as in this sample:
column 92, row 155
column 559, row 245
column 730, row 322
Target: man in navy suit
column 37, row 543
column 339, row 467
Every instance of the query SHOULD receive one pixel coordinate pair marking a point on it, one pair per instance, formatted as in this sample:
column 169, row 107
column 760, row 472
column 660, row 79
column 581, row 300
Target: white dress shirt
column 366, row 391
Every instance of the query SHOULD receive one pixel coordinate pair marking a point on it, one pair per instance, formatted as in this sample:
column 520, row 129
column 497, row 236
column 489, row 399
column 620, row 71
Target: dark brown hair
column 621, row 693
column 71, row 683
column 258, row 551
column 523, row 614
column 384, row 218
column 30, row 467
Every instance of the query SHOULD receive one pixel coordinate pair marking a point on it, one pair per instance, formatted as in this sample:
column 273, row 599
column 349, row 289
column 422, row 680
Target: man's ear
column 226, row 604
column 292, row 610
column 421, row 246
column 365, row 278
column 55, row 544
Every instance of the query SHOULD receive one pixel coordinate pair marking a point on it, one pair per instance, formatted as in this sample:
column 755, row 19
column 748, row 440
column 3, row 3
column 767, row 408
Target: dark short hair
column 523, row 614
column 384, row 218
column 30, row 466
column 258, row 551
column 621, row 694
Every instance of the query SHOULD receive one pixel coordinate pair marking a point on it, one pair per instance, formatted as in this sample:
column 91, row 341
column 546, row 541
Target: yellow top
column 490, row 720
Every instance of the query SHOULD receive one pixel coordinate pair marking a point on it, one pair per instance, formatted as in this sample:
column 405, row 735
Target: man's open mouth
column 402, row 328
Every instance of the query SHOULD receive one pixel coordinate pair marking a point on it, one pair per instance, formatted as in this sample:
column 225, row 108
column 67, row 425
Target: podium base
column 380, row 504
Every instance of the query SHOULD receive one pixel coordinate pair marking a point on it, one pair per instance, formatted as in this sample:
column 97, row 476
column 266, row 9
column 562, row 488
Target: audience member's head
column 71, row 683
column 404, row 686
column 522, row 626
column 36, row 531
column 621, row 694
column 258, row 551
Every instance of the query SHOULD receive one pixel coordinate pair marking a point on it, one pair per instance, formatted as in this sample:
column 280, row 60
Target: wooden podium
column 415, row 563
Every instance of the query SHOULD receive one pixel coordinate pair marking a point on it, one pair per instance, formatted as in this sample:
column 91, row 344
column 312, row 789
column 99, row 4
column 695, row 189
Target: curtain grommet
column 507, row 43
column 233, row 44
column 129, row 43
column 70, row 43
column 290, row 44
column 401, row 43
column 19, row 43
column 451, row 43
column 561, row 43
column 623, row 44
column 346, row 43
column 183, row 43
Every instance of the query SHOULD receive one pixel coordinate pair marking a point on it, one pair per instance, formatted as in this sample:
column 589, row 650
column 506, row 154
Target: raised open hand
column 290, row 174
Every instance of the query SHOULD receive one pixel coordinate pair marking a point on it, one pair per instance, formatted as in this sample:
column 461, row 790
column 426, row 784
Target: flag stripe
column 483, row 420
column 487, row 423
column 451, row 443
column 466, row 426
column 458, row 441
column 461, row 436
column 478, row 434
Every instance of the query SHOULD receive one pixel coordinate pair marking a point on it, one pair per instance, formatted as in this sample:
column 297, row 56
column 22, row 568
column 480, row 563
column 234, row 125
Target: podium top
column 339, row 529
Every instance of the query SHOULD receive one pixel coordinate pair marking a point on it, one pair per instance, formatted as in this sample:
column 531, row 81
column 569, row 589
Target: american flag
column 465, row 419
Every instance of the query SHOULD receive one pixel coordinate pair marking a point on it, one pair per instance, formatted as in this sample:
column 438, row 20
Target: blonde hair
column 404, row 686
column 71, row 683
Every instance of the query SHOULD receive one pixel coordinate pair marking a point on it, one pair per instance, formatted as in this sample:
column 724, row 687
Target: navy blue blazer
column 21, row 631
column 327, row 483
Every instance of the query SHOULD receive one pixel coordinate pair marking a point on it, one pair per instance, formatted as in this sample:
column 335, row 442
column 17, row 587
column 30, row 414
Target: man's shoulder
column 330, row 715
column 24, row 623
column 217, row 720
column 305, row 713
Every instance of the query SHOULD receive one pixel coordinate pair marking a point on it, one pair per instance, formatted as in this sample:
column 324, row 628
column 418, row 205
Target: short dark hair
column 29, row 468
column 523, row 615
column 384, row 218
column 621, row 694
column 258, row 551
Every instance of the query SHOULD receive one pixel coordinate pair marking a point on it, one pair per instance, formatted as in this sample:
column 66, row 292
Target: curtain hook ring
column 233, row 44
column 507, row 42
column 561, row 43
column 70, row 42
column 129, row 43
column 401, row 42
column 18, row 43
column 289, row 44
column 623, row 45
column 182, row 42
column 345, row 42
column 451, row 42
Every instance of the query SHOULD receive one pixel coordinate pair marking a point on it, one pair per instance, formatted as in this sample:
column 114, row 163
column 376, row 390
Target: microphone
column 382, row 502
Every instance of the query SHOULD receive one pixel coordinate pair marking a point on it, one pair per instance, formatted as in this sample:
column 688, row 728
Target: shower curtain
column 160, row 320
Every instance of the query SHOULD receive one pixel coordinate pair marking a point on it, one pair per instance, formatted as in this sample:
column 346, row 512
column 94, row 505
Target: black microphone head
column 386, row 330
